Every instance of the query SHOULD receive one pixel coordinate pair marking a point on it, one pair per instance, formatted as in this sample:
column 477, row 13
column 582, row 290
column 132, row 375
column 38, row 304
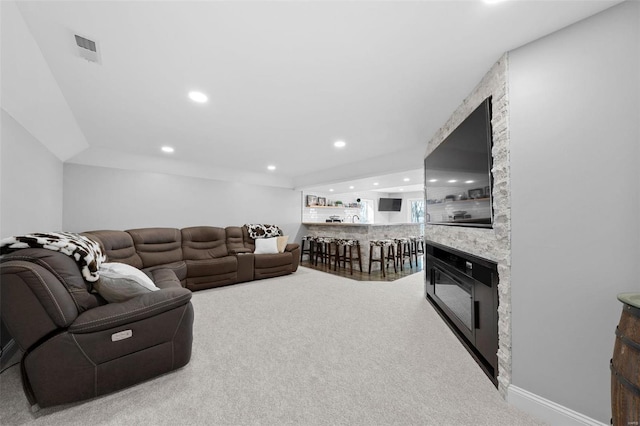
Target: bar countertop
column 363, row 233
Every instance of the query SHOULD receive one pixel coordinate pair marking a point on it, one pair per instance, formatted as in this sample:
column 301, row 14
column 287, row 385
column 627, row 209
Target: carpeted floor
column 305, row 349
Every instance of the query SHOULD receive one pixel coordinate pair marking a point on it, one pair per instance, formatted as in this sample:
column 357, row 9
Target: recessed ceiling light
column 375, row 184
column 271, row 167
column 401, row 189
column 351, row 187
column 339, row 144
column 167, row 149
column 433, row 180
column 469, row 181
column 331, row 190
column 198, row 97
column 452, row 181
column 406, row 179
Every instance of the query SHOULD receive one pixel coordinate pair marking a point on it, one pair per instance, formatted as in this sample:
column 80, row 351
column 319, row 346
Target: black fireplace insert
column 464, row 290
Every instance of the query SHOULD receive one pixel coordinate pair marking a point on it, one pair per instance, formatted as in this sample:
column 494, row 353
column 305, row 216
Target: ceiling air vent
column 88, row 49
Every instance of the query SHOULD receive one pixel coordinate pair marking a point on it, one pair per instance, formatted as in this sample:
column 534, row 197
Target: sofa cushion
column 266, row 246
column 66, row 270
column 209, row 267
column 213, row 272
column 204, row 242
column 157, row 246
column 120, row 282
column 117, row 245
column 272, row 260
column 236, row 239
column 282, row 243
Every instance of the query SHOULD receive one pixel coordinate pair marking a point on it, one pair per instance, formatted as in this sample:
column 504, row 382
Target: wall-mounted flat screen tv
column 458, row 178
column 390, row 204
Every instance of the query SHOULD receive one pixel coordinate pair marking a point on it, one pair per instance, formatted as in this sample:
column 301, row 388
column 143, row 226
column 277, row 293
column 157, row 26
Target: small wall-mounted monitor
column 390, row 204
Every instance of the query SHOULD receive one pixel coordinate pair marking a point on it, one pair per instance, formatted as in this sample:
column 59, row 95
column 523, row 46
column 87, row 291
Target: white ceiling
column 285, row 79
column 405, row 181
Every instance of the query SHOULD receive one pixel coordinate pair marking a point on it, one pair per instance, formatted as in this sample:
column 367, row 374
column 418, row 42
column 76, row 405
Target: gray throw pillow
column 120, row 282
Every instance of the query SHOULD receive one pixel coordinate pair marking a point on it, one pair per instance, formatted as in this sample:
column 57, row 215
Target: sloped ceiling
column 284, row 80
column 30, row 93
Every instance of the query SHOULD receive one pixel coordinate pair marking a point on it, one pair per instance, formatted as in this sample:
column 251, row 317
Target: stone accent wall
column 493, row 244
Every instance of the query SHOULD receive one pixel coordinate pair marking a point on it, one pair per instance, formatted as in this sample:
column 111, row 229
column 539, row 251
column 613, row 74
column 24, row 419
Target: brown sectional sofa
column 77, row 346
column 201, row 256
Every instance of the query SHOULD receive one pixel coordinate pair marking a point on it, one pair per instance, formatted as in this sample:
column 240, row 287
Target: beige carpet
column 305, row 349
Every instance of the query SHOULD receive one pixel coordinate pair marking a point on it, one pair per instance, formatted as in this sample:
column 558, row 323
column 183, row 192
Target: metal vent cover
column 85, row 43
column 87, row 49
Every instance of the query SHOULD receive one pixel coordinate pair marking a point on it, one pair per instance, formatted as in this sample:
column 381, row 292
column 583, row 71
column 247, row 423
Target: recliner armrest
column 291, row 246
column 240, row 251
column 140, row 307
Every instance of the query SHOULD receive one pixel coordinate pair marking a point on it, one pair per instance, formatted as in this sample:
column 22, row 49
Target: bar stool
column 344, row 243
column 417, row 244
column 309, row 251
column 323, row 249
column 391, row 255
column 403, row 250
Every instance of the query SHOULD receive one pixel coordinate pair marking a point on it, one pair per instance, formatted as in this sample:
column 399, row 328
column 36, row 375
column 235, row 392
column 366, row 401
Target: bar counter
column 363, row 232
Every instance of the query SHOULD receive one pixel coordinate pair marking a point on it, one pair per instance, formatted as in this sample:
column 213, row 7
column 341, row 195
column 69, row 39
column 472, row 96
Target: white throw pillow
column 119, row 282
column 266, row 246
column 282, row 243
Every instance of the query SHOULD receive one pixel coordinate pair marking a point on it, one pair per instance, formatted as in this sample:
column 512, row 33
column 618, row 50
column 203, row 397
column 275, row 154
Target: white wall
column 107, row 198
column 404, row 215
column 30, row 183
column 30, row 93
column 575, row 200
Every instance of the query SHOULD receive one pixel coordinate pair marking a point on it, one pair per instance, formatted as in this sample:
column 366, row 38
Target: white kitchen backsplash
column 322, row 214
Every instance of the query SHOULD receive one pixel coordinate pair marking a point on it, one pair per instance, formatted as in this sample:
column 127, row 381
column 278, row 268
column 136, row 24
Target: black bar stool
column 343, row 244
column 403, row 250
column 417, row 244
column 323, row 249
column 309, row 251
column 391, row 255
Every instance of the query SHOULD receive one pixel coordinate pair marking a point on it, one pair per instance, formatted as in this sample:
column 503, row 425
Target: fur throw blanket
column 87, row 253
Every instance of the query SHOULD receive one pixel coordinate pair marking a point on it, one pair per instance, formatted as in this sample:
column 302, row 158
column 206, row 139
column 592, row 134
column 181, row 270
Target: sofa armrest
column 240, row 251
column 164, row 278
column 291, row 246
column 140, row 307
column 179, row 268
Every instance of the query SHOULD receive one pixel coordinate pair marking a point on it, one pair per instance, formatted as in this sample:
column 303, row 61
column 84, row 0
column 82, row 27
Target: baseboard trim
column 549, row 411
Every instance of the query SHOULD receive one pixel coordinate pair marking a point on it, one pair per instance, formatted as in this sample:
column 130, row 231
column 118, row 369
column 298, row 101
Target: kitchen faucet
column 353, row 219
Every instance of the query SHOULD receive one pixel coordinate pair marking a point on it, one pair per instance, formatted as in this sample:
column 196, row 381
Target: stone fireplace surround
column 493, row 244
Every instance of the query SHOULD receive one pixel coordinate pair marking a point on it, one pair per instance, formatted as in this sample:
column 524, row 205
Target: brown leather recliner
column 75, row 345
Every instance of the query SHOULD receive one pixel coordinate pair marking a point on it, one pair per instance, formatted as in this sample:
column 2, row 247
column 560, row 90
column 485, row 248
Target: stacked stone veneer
column 493, row 244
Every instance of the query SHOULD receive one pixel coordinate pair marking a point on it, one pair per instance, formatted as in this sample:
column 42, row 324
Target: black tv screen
column 458, row 174
column 390, row 204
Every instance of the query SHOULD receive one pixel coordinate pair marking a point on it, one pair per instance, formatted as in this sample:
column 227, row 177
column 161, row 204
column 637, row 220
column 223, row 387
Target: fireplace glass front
column 456, row 293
